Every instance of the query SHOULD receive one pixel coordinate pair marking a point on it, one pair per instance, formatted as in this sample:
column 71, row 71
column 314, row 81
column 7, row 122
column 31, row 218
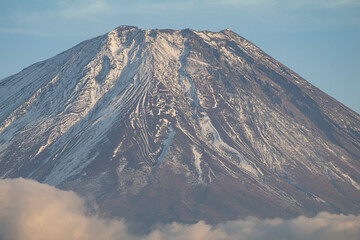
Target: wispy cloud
column 331, row 3
column 77, row 9
column 84, row 9
column 95, row 9
column 34, row 211
column 289, row 3
column 24, row 31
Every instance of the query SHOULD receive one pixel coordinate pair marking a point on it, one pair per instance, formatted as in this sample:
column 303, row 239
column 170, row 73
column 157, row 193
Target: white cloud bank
column 33, row 211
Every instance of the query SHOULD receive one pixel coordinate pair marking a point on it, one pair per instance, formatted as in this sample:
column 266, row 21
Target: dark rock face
column 164, row 125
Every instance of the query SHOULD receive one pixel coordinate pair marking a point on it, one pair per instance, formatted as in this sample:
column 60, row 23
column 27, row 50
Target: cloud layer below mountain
column 30, row 210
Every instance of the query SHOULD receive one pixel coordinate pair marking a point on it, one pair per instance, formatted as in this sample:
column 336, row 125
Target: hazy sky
column 318, row 39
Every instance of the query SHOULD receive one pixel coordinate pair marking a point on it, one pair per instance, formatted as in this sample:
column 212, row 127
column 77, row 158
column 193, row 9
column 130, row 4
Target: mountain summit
column 180, row 125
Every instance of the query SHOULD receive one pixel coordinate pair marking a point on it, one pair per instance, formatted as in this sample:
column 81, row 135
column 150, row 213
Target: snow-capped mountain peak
column 145, row 120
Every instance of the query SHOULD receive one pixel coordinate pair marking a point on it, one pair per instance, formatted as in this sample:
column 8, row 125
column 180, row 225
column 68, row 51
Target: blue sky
column 318, row 39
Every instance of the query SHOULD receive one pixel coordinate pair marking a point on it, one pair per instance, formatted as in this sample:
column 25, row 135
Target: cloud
column 291, row 3
column 23, row 31
column 80, row 17
column 33, row 211
column 102, row 5
column 94, row 10
column 323, row 226
column 321, row 3
column 71, row 10
column 88, row 10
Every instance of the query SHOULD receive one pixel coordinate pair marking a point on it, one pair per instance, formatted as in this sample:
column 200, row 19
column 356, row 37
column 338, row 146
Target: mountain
column 180, row 125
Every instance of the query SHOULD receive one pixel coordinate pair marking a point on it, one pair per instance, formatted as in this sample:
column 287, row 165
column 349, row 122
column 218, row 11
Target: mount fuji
column 180, row 125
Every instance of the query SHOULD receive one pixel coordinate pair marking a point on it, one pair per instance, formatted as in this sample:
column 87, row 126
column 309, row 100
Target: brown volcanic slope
column 165, row 125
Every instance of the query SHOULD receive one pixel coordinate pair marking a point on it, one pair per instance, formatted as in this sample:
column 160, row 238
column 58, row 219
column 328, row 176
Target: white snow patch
column 344, row 176
column 117, row 150
column 166, row 145
column 212, row 135
column 197, row 163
